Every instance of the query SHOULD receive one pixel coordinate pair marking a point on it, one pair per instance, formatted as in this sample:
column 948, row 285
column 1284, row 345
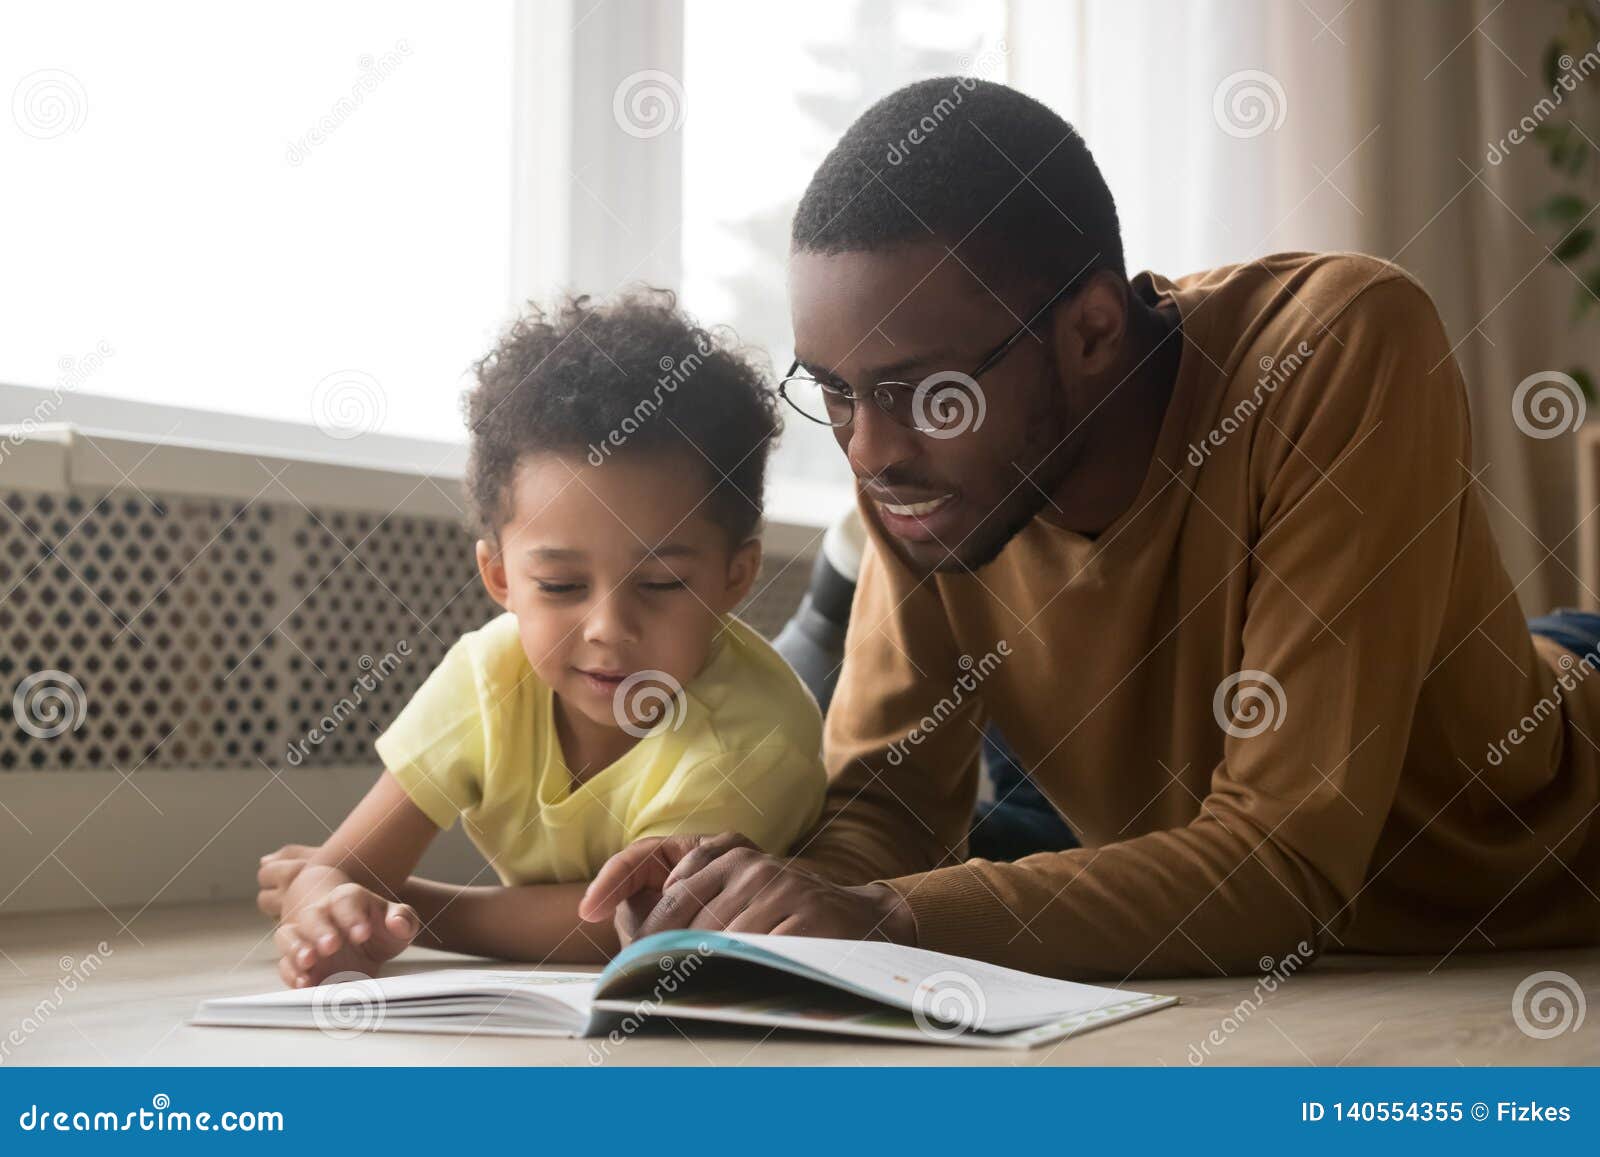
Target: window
column 317, row 215
column 299, row 212
column 770, row 88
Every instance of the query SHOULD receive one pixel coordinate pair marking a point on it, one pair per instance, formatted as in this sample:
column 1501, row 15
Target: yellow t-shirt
column 478, row 740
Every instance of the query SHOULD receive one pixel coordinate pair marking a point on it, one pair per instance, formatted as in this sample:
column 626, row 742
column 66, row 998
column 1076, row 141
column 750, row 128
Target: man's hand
column 725, row 882
column 349, row 929
column 278, row 870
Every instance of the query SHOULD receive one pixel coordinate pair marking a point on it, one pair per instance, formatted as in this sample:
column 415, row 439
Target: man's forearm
column 532, row 922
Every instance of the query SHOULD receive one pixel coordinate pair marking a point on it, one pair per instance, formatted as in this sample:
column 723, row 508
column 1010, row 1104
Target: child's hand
column 278, row 870
column 351, row 929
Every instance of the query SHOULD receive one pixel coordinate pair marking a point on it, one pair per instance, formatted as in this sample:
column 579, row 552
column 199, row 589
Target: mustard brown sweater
column 1276, row 697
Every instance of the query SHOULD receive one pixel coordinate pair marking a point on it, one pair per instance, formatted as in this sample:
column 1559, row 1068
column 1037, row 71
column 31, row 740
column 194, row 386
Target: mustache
column 894, row 479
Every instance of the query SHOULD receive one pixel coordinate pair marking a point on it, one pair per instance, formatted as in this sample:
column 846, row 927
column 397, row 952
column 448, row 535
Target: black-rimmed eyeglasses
column 940, row 403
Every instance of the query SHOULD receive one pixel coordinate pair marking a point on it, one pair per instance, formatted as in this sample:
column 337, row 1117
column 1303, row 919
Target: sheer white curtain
column 1232, row 128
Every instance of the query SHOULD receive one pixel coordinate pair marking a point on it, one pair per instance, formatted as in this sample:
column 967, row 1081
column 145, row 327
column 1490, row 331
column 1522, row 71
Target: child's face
column 612, row 570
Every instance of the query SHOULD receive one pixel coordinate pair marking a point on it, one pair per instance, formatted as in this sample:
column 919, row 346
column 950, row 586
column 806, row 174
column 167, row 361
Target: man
column 1207, row 552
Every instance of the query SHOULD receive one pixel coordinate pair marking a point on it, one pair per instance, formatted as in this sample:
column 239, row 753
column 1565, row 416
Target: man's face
column 950, row 501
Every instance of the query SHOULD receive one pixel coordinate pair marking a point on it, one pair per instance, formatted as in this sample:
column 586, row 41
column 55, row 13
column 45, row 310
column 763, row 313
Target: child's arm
column 531, row 922
column 342, row 911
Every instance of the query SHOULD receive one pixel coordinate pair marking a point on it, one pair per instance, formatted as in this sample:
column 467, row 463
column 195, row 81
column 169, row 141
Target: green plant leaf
column 1563, row 208
column 1584, row 380
column 1577, row 156
column 1586, row 296
column 1552, row 54
column 1573, row 244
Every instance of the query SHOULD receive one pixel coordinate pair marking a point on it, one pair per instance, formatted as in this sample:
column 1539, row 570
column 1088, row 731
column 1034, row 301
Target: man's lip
column 914, row 505
column 928, row 526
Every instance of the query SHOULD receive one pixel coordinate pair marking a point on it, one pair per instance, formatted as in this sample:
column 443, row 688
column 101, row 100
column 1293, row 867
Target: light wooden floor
column 1345, row 1010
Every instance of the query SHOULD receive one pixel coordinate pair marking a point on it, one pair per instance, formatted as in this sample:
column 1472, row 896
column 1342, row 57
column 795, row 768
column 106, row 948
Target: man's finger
column 642, row 864
column 681, row 903
column 702, row 854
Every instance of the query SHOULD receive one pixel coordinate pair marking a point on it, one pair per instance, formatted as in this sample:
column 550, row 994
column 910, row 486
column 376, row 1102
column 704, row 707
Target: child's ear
column 492, row 569
column 743, row 568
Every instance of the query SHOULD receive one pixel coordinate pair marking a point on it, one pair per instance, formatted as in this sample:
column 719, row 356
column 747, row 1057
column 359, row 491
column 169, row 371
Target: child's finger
column 642, row 864
column 401, row 923
column 355, row 910
column 290, row 852
column 317, row 926
column 291, row 976
column 277, row 873
column 292, row 946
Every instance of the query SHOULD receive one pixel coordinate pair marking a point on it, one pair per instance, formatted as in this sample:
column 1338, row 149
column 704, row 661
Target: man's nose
column 876, row 442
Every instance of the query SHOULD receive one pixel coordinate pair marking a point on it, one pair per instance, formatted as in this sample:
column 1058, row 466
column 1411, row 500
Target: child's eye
column 674, row 585
column 550, row 588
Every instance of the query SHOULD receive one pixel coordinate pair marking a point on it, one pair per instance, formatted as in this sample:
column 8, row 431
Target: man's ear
column 1089, row 329
column 492, row 569
column 743, row 568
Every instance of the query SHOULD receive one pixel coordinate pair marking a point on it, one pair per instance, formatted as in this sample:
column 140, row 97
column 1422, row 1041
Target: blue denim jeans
column 1574, row 629
column 1020, row 821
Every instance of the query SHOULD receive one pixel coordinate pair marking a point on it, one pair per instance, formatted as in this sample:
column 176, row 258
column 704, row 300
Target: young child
column 617, row 463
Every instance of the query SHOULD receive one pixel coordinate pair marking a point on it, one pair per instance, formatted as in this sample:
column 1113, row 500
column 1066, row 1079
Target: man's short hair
column 972, row 165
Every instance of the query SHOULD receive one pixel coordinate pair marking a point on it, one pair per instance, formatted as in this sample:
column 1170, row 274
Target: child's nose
column 611, row 620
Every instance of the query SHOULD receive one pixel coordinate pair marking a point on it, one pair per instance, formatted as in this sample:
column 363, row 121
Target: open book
column 862, row 988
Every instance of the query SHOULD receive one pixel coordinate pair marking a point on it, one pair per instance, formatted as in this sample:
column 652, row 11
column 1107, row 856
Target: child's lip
column 603, row 675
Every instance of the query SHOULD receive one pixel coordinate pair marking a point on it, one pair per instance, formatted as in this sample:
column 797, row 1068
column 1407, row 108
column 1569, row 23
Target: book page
column 982, row 996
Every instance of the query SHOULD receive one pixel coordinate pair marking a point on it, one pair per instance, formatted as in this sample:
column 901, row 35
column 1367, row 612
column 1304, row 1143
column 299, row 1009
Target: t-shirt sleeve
column 435, row 747
column 769, row 794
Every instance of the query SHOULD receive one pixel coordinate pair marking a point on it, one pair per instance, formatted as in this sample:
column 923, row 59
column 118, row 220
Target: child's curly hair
column 601, row 380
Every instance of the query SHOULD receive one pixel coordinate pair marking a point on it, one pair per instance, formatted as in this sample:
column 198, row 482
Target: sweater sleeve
column 1358, row 480
column 901, row 737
